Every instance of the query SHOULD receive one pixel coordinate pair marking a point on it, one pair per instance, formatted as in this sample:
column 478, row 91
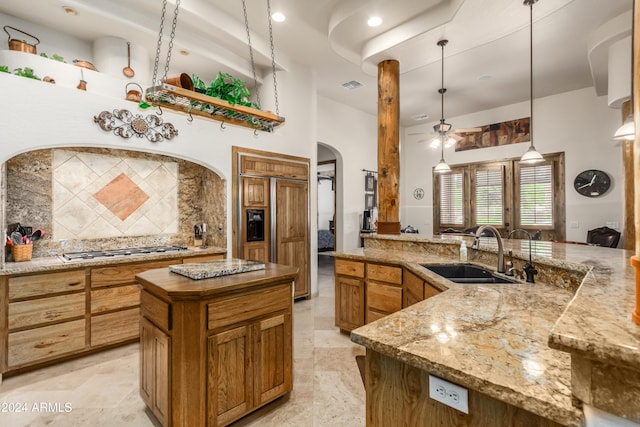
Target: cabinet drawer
column 203, row 258
column 384, row 273
column 115, row 327
column 385, row 298
column 107, row 299
column 156, row 310
column 45, row 284
column 229, row 310
column 349, row 268
column 124, row 274
column 46, row 342
column 45, row 310
column 373, row 315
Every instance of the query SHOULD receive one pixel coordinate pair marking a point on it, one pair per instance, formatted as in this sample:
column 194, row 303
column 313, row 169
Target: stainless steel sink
column 466, row 273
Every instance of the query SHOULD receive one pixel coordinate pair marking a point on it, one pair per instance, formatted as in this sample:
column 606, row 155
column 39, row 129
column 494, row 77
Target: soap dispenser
column 463, row 252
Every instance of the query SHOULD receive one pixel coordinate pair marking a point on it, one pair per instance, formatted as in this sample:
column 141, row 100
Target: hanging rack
column 193, row 103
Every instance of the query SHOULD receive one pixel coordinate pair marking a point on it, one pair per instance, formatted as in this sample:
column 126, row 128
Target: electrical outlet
column 448, row 393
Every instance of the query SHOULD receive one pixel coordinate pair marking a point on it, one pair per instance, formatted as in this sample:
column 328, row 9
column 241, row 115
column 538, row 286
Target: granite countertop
column 164, row 282
column 504, row 340
column 55, row 263
column 209, row 269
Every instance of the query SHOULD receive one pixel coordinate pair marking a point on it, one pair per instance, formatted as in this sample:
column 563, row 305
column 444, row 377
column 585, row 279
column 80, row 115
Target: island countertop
column 503, row 340
column 163, row 282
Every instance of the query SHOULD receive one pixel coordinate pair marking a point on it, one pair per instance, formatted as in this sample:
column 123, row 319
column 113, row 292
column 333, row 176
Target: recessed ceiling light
column 278, row 17
column 374, row 21
column 70, row 10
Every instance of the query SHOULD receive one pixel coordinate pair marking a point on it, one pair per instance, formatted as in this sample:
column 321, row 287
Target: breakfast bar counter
column 516, row 347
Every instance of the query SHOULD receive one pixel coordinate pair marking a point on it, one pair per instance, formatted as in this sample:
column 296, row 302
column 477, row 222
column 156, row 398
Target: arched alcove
column 102, row 198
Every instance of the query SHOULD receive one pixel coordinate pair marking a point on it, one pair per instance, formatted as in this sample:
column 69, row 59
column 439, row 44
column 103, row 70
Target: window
column 451, row 199
column 489, row 191
column 503, row 193
column 536, row 196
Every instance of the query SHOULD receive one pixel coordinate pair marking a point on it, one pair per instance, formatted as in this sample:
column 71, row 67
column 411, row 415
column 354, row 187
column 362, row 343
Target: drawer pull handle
column 75, row 283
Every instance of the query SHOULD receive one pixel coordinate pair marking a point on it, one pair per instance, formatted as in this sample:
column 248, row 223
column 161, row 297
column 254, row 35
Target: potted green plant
column 26, row 72
column 230, row 89
column 4, row 69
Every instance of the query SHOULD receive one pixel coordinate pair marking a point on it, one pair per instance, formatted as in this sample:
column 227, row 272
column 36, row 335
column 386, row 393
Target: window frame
column 511, row 196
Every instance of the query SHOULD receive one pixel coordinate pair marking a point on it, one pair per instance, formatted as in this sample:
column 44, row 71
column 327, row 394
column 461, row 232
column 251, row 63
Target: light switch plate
column 448, row 393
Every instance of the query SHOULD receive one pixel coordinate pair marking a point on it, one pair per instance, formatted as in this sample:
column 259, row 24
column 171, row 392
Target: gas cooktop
column 70, row 256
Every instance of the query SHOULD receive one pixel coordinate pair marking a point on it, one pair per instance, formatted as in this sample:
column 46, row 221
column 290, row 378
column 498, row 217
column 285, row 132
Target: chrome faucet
column 500, row 246
column 528, row 268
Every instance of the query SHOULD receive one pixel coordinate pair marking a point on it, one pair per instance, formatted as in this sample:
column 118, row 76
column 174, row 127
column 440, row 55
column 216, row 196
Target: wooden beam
column 629, row 230
column 388, row 147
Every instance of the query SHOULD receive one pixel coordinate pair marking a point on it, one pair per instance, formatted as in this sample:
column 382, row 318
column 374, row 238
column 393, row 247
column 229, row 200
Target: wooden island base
column 214, row 350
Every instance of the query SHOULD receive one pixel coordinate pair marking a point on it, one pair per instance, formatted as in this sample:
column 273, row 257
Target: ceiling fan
column 443, row 132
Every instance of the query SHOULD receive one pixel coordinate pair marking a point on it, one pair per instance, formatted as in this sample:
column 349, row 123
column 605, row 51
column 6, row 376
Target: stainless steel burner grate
column 70, row 256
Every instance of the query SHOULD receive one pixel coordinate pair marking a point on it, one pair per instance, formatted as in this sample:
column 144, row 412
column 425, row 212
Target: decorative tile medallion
column 121, row 196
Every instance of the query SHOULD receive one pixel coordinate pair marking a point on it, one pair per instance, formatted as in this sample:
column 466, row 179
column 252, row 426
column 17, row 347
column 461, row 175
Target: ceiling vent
column 419, row 117
column 353, row 84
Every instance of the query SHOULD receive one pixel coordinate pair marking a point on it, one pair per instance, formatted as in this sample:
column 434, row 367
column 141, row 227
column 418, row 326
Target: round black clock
column 592, row 183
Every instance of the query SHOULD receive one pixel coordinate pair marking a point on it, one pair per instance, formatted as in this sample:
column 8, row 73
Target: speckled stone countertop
column 55, row 263
column 504, row 340
column 223, row 267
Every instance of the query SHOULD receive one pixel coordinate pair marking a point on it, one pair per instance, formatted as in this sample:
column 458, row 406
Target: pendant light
column 442, row 129
column 626, row 132
column 531, row 156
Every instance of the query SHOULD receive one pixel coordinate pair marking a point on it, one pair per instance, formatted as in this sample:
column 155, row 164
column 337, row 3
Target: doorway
column 326, row 205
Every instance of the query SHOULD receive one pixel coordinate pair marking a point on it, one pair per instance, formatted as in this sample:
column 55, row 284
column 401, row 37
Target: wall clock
column 418, row 193
column 592, row 183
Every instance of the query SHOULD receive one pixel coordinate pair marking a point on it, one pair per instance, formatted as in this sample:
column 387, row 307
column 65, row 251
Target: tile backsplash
column 99, row 198
column 96, row 196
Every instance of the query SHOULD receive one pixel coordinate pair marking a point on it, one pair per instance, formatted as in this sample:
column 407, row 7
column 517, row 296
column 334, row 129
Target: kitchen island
column 214, row 349
column 500, row 341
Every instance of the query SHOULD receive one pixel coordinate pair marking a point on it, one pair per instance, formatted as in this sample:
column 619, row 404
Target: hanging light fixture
column 627, row 131
column 531, row 156
column 442, row 129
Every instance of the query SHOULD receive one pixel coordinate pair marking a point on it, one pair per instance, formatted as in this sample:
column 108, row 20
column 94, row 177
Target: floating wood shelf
column 198, row 104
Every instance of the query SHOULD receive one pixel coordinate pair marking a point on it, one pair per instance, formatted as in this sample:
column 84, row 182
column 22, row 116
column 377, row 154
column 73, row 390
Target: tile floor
column 102, row 389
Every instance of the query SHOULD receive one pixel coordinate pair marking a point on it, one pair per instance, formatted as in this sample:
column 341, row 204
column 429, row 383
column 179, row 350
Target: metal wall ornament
column 126, row 124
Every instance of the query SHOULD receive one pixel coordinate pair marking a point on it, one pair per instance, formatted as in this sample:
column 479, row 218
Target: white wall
column 36, row 115
column 353, row 135
column 578, row 123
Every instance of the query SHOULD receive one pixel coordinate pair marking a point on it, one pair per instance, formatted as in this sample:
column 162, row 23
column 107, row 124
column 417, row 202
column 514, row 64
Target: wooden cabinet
column 45, row 317
column 349, row 294
column 154, row 370
column 367, row 291
column 383, row 290
column 57, row 315
column 416, row 289
column 237, row 345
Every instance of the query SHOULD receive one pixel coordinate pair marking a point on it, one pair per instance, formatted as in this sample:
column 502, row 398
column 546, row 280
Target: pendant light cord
column 531, row 70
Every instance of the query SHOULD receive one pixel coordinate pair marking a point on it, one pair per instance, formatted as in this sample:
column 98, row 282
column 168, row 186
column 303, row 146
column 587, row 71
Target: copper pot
column 21, row 45
column 183, row 80
column 84, row 64
column 132, row 94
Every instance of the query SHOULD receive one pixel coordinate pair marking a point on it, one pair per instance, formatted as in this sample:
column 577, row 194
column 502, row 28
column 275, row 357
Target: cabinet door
column 154, row 370
column 273, row 354
column 382, row 299
column 349, row 303
column 292, row 235
column 230, row 380
column 413, row 289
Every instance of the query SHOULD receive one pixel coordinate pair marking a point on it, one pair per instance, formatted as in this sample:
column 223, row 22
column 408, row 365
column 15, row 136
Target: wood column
column 635, row 260
column 388, row 147
column 629, row 231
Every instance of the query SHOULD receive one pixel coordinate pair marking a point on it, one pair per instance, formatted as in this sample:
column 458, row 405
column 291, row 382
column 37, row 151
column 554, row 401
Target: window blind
column 489, row 196
column 451, row 209
column 536, row 195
